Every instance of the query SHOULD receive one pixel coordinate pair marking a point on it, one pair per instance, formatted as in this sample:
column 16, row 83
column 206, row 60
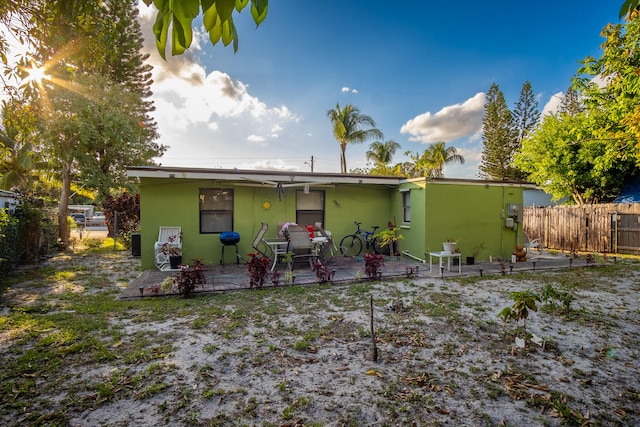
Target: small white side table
column 448, row 256
column 278, row 247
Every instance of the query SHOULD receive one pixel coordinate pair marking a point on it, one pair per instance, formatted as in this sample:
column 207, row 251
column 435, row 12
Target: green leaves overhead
column 217, row 20
column 628, row 6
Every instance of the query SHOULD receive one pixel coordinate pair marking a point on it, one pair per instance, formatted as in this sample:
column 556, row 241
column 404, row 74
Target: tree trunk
column 343, row 158
column 63, row 206
column 577, row 197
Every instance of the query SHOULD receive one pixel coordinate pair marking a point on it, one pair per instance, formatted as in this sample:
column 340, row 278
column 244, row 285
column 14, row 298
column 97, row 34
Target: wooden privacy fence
column 609, row 227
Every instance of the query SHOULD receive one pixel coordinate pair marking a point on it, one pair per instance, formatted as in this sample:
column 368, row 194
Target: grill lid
column 229, row 238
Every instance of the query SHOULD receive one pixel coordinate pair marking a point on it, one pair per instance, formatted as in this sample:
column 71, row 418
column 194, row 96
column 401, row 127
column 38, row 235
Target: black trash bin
column 136, row 244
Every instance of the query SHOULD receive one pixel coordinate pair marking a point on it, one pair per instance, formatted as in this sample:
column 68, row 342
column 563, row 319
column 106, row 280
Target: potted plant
column 449, row 246
column 173, row 249
column 475, row 251
column 456, row 260
column 389, row 239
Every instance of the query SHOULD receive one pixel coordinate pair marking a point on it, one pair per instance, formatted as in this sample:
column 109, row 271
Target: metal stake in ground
column 374, row 351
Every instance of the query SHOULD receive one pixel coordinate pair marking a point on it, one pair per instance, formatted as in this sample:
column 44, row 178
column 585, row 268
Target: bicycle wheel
column 378, row 248
column 350, row 245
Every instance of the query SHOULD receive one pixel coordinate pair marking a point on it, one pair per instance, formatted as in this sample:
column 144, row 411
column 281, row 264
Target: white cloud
column 270, row 164
column 275, row 131
column 348, row 89
column 255, row 138
column 208, row 118
column 450, row 123
column 553, row 104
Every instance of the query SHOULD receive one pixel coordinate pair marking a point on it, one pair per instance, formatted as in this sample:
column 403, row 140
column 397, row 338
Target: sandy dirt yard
column 74, row 354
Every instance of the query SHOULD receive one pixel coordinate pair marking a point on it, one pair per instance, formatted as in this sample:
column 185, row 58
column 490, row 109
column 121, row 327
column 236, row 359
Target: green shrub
column 9, row 241
column 27, row 235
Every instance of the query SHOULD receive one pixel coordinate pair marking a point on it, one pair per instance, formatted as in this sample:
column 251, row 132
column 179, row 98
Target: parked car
column 79, row 218
column 98, row 215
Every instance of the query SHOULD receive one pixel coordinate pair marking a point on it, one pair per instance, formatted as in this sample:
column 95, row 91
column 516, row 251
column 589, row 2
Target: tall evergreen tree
column 525, row 114
column 119, row 42
column 525, row 118
column 94, row 107
column 498, row 137
column 571, row 103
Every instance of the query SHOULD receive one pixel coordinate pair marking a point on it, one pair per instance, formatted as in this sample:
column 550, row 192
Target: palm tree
column 350, row 127
column 439, row 155
column 381, row 153
column 16, row 160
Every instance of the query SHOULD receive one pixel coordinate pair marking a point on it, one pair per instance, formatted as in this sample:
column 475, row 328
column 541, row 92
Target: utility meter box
column 510, row 223
column 514, row 210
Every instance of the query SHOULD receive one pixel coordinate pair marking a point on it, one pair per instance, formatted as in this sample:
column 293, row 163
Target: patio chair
column 531, row 244
column 166, row 236
column 301, row 246
column 258, row 242
column 327, row 248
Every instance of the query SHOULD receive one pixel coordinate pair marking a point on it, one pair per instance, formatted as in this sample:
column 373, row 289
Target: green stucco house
column 207, row 202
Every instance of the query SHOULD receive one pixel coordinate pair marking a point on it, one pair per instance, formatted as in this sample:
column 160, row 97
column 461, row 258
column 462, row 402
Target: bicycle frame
column 368, row 237
column 364, row 236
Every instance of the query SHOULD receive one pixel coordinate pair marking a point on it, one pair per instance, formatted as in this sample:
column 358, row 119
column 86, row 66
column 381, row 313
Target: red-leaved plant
column 372, row 265
column 189, row 278
column 323, row 273
column 258, row 267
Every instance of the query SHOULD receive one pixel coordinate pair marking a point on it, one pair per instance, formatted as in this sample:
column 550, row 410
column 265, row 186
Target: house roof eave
column 267, row 178
column 469, row 181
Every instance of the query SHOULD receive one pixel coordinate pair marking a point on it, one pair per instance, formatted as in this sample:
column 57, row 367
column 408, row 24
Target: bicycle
column 351, row 244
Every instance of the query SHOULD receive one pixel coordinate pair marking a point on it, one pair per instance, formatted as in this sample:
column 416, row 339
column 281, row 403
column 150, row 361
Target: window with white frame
column 406, row 206
column 216, row 210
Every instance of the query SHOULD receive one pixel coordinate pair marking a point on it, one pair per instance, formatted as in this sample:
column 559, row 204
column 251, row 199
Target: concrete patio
column 233, row 277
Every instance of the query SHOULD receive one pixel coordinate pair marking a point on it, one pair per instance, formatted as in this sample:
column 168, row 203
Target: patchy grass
column 74, row 354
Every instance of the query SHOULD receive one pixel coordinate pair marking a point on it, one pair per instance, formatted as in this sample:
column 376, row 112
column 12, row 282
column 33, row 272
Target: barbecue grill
column 229, row 238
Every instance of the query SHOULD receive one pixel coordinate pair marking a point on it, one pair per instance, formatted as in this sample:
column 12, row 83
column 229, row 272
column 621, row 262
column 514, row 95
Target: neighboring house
column 630, row 192
column 536, row 197
column 428, row 211
column 9, row 200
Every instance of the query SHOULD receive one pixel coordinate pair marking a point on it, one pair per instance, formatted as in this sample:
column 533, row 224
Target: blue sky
column 418, row 68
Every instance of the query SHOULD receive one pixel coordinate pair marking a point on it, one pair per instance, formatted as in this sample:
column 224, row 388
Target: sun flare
column 36, row 74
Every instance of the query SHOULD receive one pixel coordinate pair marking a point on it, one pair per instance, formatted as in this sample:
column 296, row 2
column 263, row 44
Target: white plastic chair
column 531, row 244
column 166, row 235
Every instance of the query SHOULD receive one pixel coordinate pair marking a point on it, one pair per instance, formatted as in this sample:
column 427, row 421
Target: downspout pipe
column 405, row 253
